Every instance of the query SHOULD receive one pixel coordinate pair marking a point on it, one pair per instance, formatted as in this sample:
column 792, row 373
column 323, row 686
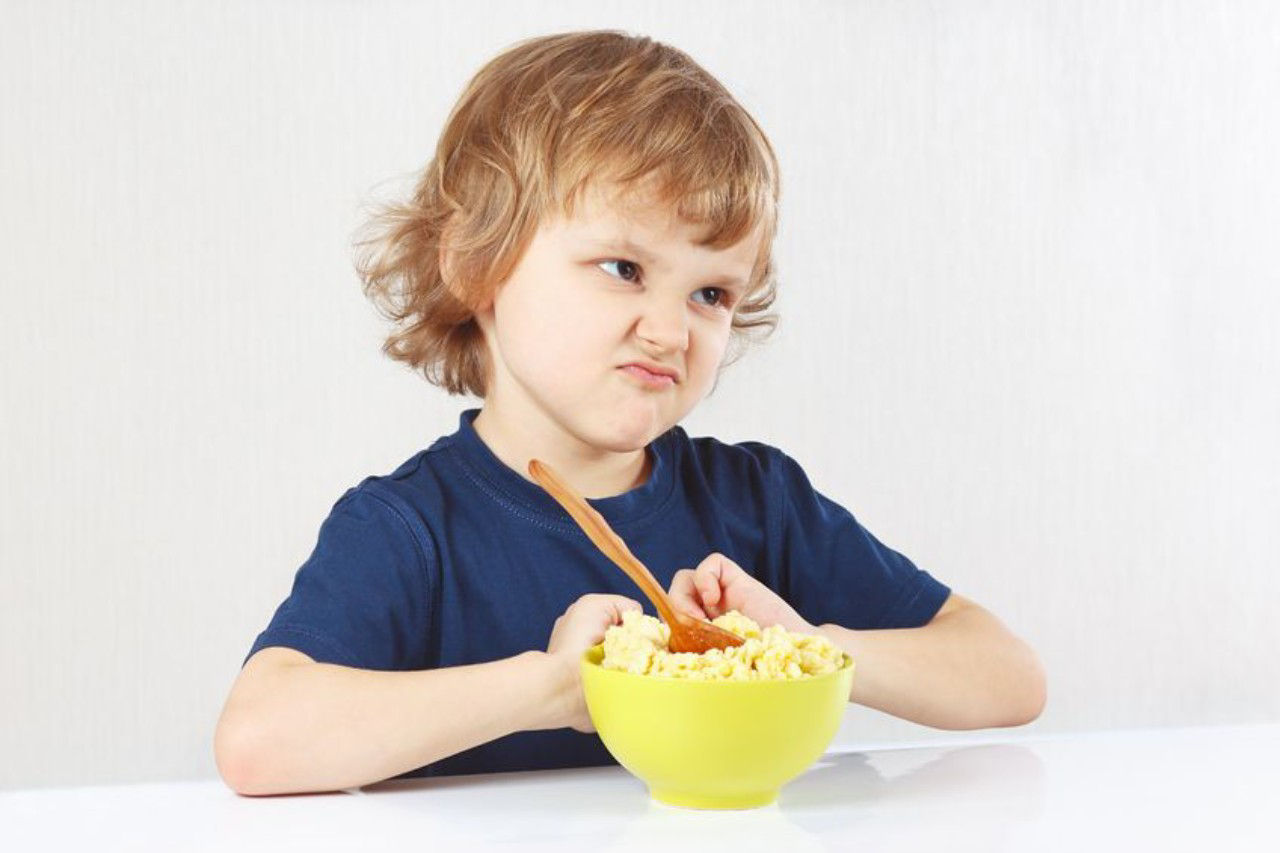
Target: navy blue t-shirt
column 454, row 559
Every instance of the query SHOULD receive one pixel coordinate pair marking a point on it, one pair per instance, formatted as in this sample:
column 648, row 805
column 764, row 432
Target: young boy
column 591, row 238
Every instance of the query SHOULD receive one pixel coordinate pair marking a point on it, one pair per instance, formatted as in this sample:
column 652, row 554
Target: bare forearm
column 964, row 670
column 322, row 727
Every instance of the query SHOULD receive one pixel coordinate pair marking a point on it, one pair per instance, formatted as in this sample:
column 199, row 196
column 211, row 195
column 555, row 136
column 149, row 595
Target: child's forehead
column 618, row 203
column 645, row 228
column 647, row 212
column 613, row 212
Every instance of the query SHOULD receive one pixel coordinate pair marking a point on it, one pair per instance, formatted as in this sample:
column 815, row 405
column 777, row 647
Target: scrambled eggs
column 639, row 645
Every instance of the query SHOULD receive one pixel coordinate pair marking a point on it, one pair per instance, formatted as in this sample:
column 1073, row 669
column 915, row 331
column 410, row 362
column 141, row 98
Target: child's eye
column 715, row 297
column 626, row 269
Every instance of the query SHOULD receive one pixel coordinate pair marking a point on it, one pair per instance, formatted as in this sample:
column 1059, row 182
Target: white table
column 1199, row 789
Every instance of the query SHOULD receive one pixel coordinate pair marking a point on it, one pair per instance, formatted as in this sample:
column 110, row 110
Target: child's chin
column 623, row 443
column 624, row 437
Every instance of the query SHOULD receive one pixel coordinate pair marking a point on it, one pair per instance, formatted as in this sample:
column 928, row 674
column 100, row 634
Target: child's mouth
column 647, row 379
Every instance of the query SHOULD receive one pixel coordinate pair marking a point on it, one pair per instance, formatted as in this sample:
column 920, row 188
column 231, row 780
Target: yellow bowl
column 714, row 744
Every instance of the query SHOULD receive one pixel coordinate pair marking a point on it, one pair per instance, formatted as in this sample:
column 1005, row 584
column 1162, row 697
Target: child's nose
column 664, row 324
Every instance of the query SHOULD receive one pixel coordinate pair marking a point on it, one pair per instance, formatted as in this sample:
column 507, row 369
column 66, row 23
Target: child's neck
column 591, row 473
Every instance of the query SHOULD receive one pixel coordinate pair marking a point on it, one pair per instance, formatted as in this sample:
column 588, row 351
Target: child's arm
column 293, row 725
column 963, row 670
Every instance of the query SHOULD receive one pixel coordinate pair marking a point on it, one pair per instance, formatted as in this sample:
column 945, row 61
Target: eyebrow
column 627, row 247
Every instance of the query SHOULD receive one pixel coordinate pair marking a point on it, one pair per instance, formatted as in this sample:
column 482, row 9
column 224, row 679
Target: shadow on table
column 600, row 786
column 963, row 798
column 563, row 810
column 1004, row 775
column 896, row 799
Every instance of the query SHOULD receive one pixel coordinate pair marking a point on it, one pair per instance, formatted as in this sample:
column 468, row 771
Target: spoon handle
column 599, row 532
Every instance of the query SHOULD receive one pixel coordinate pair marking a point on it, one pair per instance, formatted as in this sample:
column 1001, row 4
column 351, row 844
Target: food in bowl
column 639, row 646
column 703, row 737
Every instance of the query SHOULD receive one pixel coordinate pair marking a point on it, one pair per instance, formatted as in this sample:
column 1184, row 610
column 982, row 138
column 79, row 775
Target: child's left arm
column 963, row 670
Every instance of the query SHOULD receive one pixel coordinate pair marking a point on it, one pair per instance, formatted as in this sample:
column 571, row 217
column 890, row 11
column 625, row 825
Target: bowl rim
column 847, row 664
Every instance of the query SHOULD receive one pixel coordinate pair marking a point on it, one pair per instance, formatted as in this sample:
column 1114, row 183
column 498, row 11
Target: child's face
column 581, row 308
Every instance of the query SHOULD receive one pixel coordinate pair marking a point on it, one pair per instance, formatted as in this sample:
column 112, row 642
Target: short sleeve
column 832, row 569
column 362, row 598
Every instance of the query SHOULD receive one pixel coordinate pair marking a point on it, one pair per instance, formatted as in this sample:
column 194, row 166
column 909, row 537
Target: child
column 590, row 242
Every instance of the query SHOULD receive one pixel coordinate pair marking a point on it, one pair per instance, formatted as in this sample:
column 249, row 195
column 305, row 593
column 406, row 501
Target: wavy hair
column 533, row 129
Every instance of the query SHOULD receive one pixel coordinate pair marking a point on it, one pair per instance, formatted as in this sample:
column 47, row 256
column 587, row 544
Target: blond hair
column 533, row 129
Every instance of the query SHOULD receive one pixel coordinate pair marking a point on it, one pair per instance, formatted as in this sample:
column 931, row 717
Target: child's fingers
column 620, row 604
column 713, row 575
column 599, row 606
column 684, row 595
column 609, row 610
column 584, row 623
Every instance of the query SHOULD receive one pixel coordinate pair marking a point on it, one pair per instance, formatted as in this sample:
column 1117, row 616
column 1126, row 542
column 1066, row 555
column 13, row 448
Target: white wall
column 1029, row 294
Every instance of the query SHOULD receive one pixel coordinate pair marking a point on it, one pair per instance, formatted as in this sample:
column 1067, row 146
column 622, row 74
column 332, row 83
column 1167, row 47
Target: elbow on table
column 1018, row 698
column 1032, row 693
column 246, row 761
column 236, row 755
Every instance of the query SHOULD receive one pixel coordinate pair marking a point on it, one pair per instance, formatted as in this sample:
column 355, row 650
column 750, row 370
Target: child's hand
column 578, row 629
column 719, row 585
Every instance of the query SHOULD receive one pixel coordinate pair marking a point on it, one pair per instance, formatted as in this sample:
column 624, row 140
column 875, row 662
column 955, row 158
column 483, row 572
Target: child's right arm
column 293, row 725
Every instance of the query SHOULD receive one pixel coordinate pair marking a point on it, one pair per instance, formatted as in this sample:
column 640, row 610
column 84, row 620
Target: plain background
column 1029, row 294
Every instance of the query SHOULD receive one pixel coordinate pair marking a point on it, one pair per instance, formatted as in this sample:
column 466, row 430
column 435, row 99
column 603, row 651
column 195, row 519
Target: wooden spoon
column 688, row 633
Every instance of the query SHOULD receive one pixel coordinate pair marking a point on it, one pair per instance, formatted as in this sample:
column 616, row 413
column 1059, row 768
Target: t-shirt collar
column 628, row 507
